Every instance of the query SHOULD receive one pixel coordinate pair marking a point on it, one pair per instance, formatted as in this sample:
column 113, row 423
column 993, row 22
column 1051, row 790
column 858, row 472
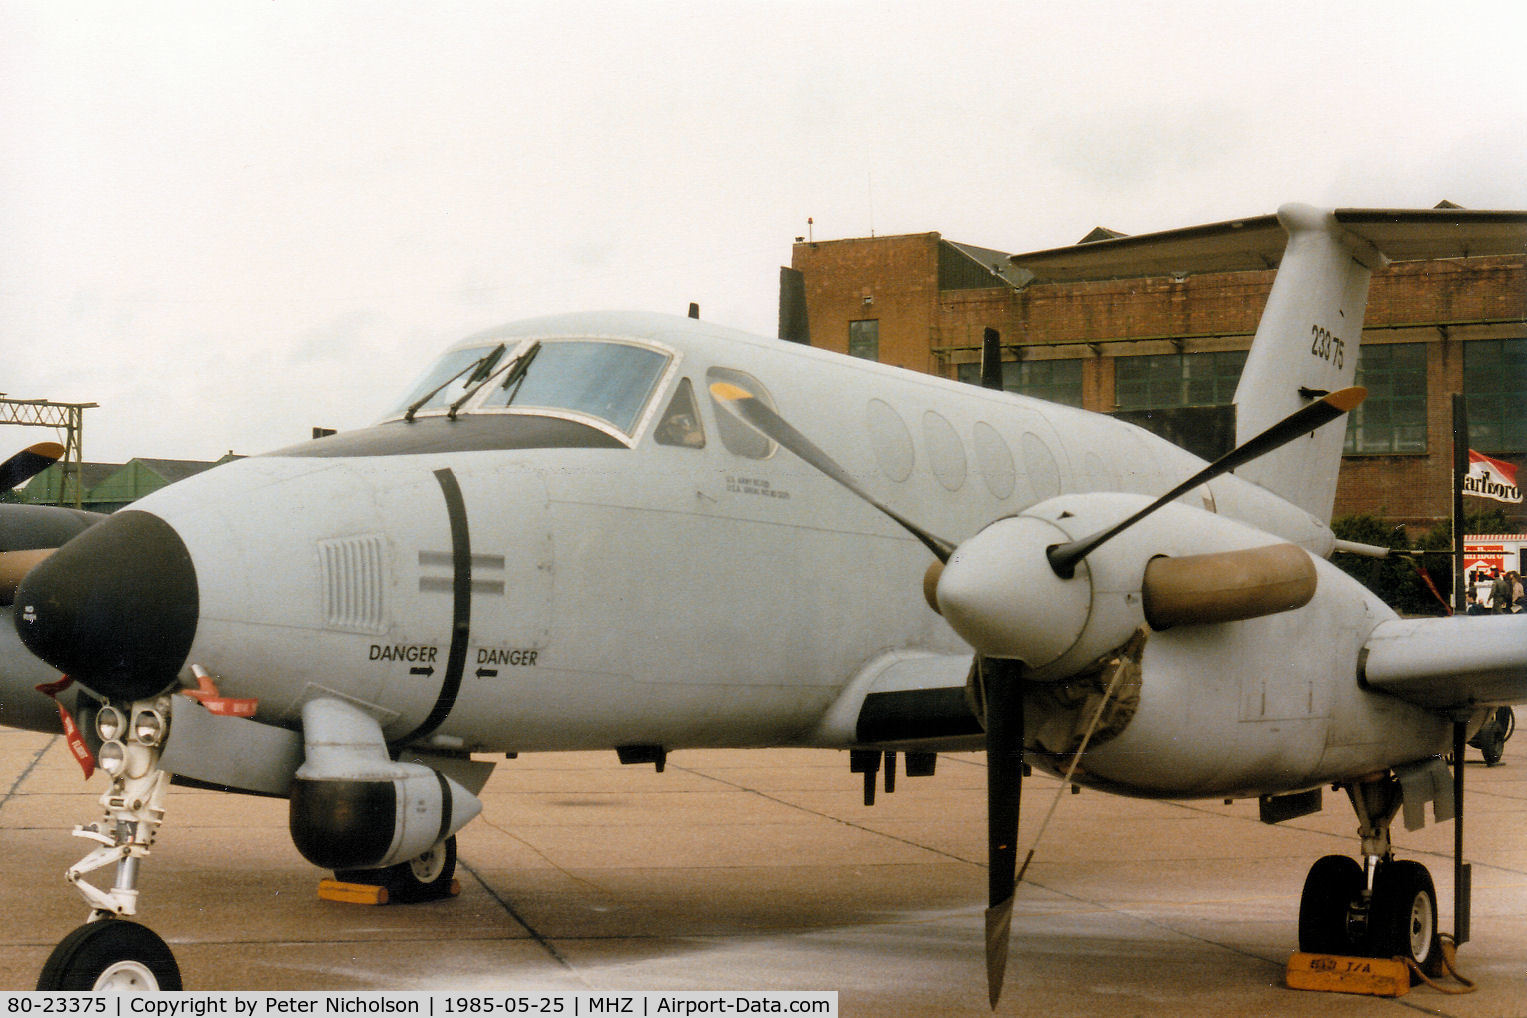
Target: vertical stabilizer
column 1306, row 346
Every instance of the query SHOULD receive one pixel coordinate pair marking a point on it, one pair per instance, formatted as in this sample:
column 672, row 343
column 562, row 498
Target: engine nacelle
column 1180, row 566
column 353, row 807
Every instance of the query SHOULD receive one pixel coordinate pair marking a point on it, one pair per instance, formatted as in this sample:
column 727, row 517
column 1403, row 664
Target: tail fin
column 1307, row 340
column 1306, row 346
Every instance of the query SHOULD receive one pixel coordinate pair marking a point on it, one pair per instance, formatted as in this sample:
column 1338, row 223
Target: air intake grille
column 352, row 583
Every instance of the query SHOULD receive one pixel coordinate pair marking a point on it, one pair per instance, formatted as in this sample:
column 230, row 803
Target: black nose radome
column 115, row 608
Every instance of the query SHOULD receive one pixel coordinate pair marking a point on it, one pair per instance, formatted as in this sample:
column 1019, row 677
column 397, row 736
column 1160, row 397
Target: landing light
column 112, row 757
column 148, row 726
column 110, row 723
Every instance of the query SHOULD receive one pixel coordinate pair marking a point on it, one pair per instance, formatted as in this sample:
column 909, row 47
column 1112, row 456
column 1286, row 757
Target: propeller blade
column 28, row 463
column 1064, row 557
column 1004, row 782
column 763, row 417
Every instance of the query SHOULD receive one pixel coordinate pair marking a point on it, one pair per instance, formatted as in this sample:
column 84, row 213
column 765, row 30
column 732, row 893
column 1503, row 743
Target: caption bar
column 823, row 1004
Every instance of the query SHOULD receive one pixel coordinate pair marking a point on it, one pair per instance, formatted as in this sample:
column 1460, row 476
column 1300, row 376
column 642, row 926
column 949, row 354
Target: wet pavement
column 763, row 870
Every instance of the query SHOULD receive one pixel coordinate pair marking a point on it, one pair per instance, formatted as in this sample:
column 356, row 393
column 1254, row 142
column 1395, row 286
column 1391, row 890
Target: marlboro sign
column 1489, row 478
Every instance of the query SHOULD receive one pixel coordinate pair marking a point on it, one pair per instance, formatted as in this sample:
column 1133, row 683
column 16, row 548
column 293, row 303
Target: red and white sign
column 1487, row 554
column 1490, row 478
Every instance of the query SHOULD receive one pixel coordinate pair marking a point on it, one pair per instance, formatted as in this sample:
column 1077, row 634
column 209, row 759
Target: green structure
column 111, row 486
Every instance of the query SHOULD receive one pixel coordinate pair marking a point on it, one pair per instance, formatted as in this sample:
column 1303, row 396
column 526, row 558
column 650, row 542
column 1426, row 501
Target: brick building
column 1171, row 349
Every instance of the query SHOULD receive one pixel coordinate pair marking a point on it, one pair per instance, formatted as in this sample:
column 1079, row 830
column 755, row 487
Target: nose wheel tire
column 425, row 878
column 111, row 956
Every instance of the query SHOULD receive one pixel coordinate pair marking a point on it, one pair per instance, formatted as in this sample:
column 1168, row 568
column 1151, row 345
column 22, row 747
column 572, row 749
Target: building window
column 864, row 339
column 1495, row 387
column 1056, row 381
column 1393, row 417
column 1176, row 380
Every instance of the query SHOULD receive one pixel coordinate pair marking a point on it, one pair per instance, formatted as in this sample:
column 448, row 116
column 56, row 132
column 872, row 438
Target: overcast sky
column 229, row 222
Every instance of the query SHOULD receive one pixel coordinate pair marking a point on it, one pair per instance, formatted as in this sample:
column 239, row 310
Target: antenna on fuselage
column 991, row 359
column 694, row 310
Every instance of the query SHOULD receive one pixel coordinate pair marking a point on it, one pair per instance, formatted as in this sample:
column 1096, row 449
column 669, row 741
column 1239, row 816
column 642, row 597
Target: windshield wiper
column 480, row 377
column 479, row 368
column 517, row 372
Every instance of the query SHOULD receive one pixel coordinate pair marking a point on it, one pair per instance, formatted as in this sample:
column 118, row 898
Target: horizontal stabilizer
column 1258, row 243
column 1454, row 663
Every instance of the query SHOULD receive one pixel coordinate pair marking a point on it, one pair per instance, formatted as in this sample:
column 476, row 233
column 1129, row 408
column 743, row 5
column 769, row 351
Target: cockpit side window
column 680, row 424
column 739, row 438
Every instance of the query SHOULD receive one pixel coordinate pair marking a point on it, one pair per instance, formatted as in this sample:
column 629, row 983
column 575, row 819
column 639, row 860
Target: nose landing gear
column 110, row 953
column 111, row 956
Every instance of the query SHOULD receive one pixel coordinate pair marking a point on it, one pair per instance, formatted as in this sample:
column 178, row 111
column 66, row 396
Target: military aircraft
column 647, row 533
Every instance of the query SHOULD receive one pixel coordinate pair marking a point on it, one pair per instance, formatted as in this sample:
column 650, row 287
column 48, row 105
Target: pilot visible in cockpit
column 681, row 421
column 681, row 429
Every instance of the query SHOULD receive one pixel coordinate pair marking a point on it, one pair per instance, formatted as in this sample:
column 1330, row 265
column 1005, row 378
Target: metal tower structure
column 68, row 417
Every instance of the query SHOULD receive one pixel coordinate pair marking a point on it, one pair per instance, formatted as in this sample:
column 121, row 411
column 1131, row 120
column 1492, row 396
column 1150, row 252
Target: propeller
column 28, row 463
column 1002, row 682
column 1001, row 679
column 15, row 471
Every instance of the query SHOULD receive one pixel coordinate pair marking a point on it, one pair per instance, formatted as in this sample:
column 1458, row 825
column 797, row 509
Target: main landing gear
column 428, row 877
column 1381, row 907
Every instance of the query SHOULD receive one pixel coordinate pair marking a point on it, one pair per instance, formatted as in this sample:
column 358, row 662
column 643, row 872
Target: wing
column 1448, row 664
column 905, row 699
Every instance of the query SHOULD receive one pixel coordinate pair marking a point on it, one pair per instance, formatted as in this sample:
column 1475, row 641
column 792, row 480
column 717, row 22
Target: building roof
column 90, row 474
column 998, row 263
column 1102, row 233
column 1241, row 245
column 175, row 470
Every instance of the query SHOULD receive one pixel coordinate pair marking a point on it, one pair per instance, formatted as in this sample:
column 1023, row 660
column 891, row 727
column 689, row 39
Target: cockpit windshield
column 608, row 380
column 446, row 380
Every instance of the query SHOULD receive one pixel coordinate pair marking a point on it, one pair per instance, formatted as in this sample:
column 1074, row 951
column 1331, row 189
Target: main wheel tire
column 111, row 956
column 425, row 878
column 1402, row 922
column 1493, row 750
column 1333, row 885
